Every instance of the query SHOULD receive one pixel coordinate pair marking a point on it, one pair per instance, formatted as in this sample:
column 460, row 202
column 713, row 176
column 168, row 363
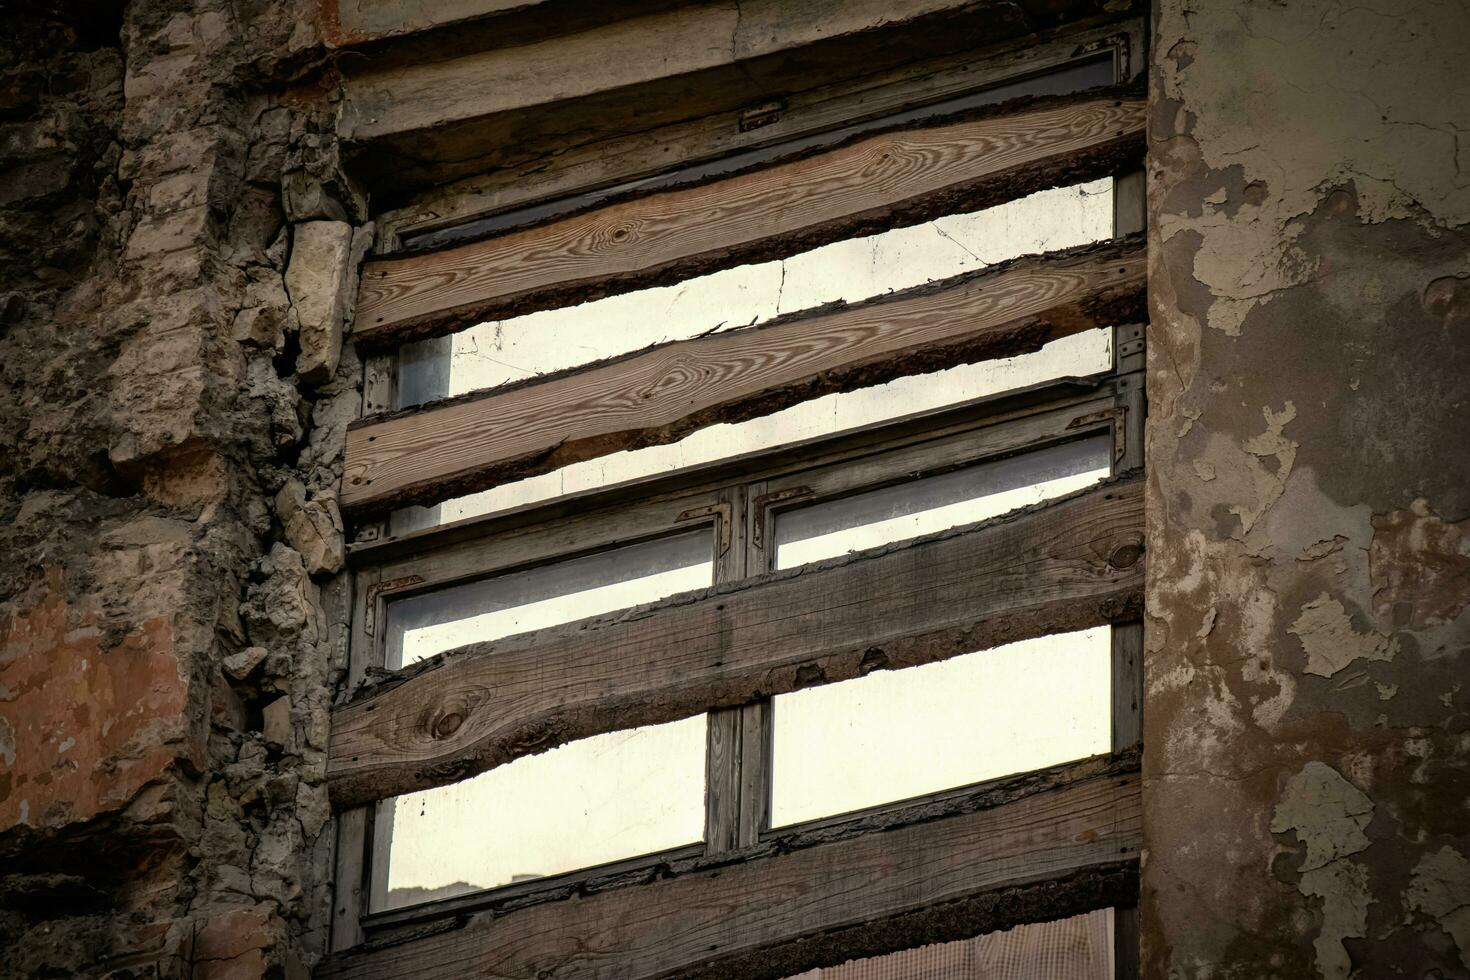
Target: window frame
column 755, row 488
column 736, row 499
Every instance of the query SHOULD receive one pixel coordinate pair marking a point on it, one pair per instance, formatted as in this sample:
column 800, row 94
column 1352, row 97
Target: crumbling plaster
column 1306, row 725
column 180, row 257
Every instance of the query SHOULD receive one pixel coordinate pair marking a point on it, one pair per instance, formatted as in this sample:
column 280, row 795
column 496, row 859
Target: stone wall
column 1307, row 716
column 179, row 256
column 180, row 251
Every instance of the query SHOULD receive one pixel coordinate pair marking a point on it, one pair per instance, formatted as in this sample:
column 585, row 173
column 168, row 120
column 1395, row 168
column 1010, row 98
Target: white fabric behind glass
column 585, row 803
column 1078, row 948
column 937, row 503
column 894, row 735
column 494, row 353
column 898, row 734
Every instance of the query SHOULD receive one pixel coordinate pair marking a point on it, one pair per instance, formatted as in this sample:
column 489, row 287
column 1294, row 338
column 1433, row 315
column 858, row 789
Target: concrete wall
column 1307, row 717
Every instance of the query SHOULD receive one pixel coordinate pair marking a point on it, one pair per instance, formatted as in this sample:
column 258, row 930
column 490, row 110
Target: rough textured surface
column 1307, row 634
column 165, row 656
column 172, row 617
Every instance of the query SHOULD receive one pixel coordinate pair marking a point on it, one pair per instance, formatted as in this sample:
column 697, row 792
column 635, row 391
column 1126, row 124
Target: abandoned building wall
column 1307, row 713
column 171, row 420
column 180, row 253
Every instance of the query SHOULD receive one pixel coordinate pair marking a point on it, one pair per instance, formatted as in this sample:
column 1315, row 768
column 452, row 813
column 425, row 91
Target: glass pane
column 500, row 351
column 1079, row 948
column 547, row 595
column 935, row 503
column 592, row 801
column 582, row 804
column 494, row 353
column 898, row 734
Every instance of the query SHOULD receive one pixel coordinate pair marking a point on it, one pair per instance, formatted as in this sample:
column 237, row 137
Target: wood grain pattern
column 1072, row 563
column 890, row 179
column 662, row 393
column 782, row 907
column 623, row 157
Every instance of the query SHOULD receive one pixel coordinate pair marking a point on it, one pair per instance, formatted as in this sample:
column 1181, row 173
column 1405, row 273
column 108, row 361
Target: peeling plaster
column 1327, row 635
column 1419, row 564
column 1285, row 66
column 1329, row 815
column 1440, row 888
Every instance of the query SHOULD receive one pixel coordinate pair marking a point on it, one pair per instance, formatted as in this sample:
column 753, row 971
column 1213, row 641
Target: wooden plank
column 1031, row 67
column 660, row 394
column 1068, row 564
column 880, row 181
column 474, row 97
column 812, row 898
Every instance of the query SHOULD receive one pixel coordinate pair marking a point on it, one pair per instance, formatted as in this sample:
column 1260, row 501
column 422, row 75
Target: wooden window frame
column 736, row 499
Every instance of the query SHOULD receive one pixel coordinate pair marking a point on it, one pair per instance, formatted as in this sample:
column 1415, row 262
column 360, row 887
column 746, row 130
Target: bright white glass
column 591, row 801
column 894, row 735
column 494, row 353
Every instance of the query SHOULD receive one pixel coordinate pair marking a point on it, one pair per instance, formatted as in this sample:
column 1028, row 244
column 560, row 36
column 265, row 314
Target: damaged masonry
column 822, row 490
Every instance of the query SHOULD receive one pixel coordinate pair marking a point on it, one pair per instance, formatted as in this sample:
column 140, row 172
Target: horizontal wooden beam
column 662, row 393
column 880, row 181
column 1029, row 850
column 448, row 89
column 1069, row 564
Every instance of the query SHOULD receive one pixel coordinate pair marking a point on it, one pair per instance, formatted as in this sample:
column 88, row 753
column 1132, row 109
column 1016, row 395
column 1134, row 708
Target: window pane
column 548, row 595
column 592, row 801
column 500, row 351
column 495, row 353
column 582, row 804
column 898, row 734
column 935, row 503
column 1079, row 948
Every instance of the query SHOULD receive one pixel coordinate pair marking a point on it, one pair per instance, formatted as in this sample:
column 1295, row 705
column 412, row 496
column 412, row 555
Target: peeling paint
column 1329, row 815
column 1420, row 566
column 1440, row 888
column 1327, row 635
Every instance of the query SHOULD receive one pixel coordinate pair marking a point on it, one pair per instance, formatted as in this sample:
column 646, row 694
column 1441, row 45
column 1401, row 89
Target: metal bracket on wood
column 1112, row 415
column 761, row 115
column 370, row 607
column 761, row 503
column 723, row 523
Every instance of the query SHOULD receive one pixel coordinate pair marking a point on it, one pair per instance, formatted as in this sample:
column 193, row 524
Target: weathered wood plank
column 1069, row 564
column 1053, row 66
column 471, row 96
column 879, row 181
column 811, row 898
column 660, row 394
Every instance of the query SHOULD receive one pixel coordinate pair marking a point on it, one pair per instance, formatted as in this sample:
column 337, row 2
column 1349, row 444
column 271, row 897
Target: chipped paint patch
column 86, row 728
column 1420, row 566
column 1327, row 635
column 1440, row 888
column 1329, row 815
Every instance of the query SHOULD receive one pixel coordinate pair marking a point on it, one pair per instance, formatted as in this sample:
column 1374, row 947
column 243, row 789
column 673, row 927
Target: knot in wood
column 1126, row 555
column 448, row 724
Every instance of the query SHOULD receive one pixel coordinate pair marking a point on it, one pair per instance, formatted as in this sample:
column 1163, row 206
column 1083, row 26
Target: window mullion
column 723, row 759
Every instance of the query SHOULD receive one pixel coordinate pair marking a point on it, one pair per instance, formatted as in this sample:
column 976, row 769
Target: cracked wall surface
column 1307, row 723
column 180, row 249
column 173, row 395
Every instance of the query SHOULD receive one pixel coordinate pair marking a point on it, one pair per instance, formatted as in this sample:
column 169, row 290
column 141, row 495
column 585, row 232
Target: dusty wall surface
column 180, row 251
column 172, row 399
column 1307, row 715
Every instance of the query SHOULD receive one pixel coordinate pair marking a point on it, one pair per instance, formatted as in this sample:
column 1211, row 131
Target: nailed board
column 661, row 394
column 782, row 907
column 1068, row 564
column 901, row 177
